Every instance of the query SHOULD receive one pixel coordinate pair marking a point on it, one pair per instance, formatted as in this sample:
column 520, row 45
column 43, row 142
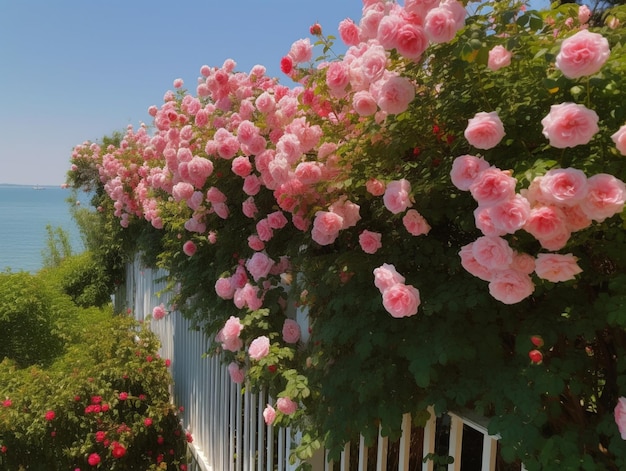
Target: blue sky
column 77, row 70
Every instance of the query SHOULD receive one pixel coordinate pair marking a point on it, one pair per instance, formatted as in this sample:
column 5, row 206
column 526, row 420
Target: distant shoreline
column 24, row 185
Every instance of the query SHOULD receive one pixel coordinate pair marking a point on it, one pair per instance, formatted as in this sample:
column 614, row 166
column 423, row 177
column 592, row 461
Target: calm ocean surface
column 24, row 214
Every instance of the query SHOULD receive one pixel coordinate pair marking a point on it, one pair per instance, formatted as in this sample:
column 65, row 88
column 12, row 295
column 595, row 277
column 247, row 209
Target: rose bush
column 497, row 191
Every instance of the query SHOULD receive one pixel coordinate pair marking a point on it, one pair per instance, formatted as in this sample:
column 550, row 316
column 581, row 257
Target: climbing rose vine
column 432, row 194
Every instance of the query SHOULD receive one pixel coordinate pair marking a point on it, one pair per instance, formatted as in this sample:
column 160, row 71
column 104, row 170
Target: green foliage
column 58, row 246
column 108, row 394
column 28, row 314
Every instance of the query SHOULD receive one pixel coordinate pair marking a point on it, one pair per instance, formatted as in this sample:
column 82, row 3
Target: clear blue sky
column 77, row 70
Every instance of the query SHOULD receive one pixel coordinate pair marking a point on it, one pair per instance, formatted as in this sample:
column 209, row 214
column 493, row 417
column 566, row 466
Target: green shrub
column 106, row 399
column 84, row 280
column 28, row 311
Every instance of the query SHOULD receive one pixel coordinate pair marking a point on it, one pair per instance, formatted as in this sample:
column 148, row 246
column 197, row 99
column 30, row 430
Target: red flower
column 6, row 403
column 50, row 415
column 537, row 340
column 286, row 65
column 100, row 436
column 188, row 437
column 4, row 449
column 93, row 459
column 117, row 450
column 272, row 368
column 123, row 396
column 147, row 421
column 160, row 440
column 535, row 356
column 105, row 407
column 96, row 399
column 168, row 362
column 315, row 29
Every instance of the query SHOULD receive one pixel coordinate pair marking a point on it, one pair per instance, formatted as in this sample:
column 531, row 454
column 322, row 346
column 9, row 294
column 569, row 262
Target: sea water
column 24, row 213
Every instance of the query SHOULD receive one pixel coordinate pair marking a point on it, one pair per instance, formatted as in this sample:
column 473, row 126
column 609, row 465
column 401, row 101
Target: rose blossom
column 468, row 261
column 415, row 223
column 259, row 265
column 276, row 220
column 465, row 169
column 224, row 288
column 189, row 248
column 326, row 227
column 397, row 196
column 349, row 32
column 605, row 197
column 510, row 286
column 440, row 25
column 546, row 222
column 484, row 130
column 492, row 252
column 395, row 94
column 301, row 51
column 291, row 331
column 286, row 405
column 386, row 276
column 159, row 312
column 556, row 267
column 569, row 125
column 370, row 241
column 582, row 54
column 259, row 348
column 484, row 222
column 563, row 186
column 269, row 415
column 237, row 375
column 499, row 57
column 375, row 187
column 401, row 300
column 620, row 416
column 510, row 215
column 255, row 243
column 348, row 210
column 619, row 138
column 493, row 186
column 364, row 103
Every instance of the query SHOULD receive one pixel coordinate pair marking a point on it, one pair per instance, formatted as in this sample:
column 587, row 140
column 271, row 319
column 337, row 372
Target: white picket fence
column 226, row 421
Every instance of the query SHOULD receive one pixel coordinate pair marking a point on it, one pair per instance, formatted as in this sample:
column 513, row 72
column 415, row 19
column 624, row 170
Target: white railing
column 226, row 422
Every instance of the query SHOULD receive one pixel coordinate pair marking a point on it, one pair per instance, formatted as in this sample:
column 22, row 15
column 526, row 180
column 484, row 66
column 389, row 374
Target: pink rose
column 401, row 300
column 264, row 230
column 224, row 288
column 510, row 286
column 251, row 185
column 386, row 276
column 605, row 197
column 364, row 103
column 510, row 215
column 301, row 51
column 276, row 220
column 468, row 261
column 415, row 223
column 326, row 227
column 189, row 248
column 440, row 25
column 523, row 263
column 348, row 210
column 465, row 169
column 237, row 375
column 620, row 416
column 255, row 243
column 499, row 57
column 248, row 208
column 619, row 138
column 232, row 328
column 569, row 125
column 269, row 415
column 259, row 348
column 349, row 32
column 484, row 130
column 375, row 187
column 337, row 76
column 484, row 222
column 493, row 252
column 563, row 186
column 397, row 196
column 411, row 41
column 259, row 265
column 159, row 312
column 370, row 241
column 395, row 94
column 286, row 405
column 241, row 166
column 582, row 54
column 309, row 173
column 556, row 267
column 493, row 186
column 546, row 222
column 291, row 331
